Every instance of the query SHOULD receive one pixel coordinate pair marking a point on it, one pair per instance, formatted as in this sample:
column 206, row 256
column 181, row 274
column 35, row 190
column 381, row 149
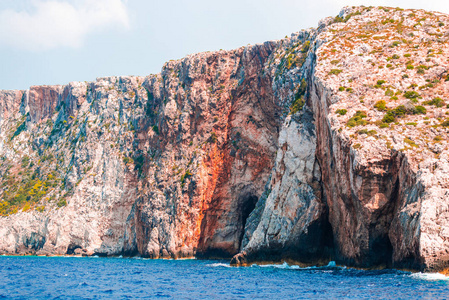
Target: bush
column 186, row 175
column 380, row 105
column 438, row 102
column 341, row 112
column 127, row 160
column 421, row 110
column 388, row 118
column 401, row 110
column 389, row 93
column 357, row 119
column 411, row 95
column 410, row 142
column 62, row 203
column 299, row 102
column 335, row 71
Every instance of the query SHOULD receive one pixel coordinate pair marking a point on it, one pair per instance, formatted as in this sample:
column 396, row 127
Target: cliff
column 327, row 145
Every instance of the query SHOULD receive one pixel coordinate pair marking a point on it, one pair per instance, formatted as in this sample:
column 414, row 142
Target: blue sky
column 59, row 41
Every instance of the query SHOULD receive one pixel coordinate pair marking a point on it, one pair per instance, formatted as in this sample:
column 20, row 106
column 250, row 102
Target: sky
column 59, row 41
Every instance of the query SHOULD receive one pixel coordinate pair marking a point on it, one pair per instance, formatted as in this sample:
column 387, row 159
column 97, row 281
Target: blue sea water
column 133, row 278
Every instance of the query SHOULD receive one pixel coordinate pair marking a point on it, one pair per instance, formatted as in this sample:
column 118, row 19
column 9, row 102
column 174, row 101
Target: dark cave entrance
column 247, row 205
column 381, row 253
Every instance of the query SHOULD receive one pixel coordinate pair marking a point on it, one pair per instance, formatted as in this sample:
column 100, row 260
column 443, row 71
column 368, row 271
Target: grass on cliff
column 26, row 193
column 299, row 102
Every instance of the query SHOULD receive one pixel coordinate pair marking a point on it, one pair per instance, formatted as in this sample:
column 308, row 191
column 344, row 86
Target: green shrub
column 410, row 142
column 421, row 110
column 368, row 132
column 335, row 71
column 156, row 129
column 357, row 119
column 388, row 118
column 305, row 47
column 341, row 112
column 62, row 203
column 363, row 131
column 411, row 95
column 297, row 105
column 127, row 160
column 380, row 105
column 341, row 89
column 410, row 67
column 389, row 93
column 438, row 102
column 299, row 102
column 184, row 176
column 401, row 111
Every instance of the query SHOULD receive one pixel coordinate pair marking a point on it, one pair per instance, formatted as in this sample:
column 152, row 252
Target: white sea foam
column 430, row 276
column 285, row 265
column 219, row 265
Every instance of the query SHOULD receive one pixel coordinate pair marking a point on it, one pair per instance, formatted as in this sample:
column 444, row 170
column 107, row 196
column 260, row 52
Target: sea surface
column 133, row 278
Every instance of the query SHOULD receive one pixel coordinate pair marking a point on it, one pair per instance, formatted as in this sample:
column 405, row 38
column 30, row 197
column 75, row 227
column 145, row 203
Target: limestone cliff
column 328, row 145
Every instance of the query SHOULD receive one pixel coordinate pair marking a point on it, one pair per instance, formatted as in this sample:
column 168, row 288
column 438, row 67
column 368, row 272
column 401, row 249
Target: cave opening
column 247, row 206
column 71, row 249
column 381, row 252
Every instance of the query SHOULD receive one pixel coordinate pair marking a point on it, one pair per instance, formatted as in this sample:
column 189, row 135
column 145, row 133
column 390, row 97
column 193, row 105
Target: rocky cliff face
column 328, row 145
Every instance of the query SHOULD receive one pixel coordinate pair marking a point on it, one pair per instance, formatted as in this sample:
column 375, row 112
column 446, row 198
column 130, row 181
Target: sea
column 28, row 277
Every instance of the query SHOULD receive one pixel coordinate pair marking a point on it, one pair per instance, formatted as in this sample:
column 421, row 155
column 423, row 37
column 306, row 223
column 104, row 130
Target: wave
column 219, row 265
column 286, row 266
column 430, row 276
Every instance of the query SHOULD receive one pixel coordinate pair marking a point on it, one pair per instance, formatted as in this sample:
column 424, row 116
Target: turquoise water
column 133, row 278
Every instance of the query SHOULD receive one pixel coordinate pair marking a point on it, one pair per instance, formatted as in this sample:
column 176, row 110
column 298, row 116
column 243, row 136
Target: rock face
column 328, row 145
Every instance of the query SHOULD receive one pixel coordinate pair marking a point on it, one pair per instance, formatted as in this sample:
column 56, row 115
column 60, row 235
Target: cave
column 247, row 206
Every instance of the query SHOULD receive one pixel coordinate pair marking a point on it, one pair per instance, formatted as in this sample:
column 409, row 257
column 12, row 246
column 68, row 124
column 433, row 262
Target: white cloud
column 55, row 23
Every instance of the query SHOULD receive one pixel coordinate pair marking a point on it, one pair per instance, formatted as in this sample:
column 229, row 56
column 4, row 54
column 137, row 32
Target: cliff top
column 388, row 73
